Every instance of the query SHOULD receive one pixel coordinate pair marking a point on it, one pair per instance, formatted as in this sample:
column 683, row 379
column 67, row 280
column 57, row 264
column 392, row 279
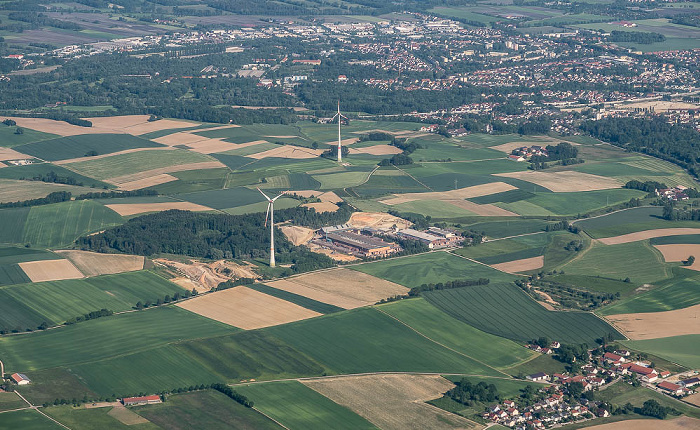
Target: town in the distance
column 352, row 214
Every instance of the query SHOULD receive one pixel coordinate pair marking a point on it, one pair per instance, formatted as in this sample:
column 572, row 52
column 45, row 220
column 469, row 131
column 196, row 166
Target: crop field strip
column 684, row 350
column 504, row 310
column 55, row 301
column 79, row 146
column 298, row 407
column 654, row 325
column 297, row 299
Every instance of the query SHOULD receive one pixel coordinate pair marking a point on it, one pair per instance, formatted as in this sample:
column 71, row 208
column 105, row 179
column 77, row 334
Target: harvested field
column 138, row 184
column 378, row 150
column 566, row 181
column 180, row 138
column 12, row 190
column 328, row 196
column 119, row 180
column 297, row 235
column 648, row 234
column 483, row 210
column 377, row 220
column 458, row 194
column 682, row 423
column 321, row 207
column 130, row 124
column 196, row 143
column 393, row 401
column 344, row 288
column 50, row 270
column 287, row 151
column 333, row 254
column 523, row 265
column 94, row 264
column 694, row 399
column 246, row 308
column 653, row 325
column 138, row 208
column 11, row 154
column 348, row 141
column 680, row 252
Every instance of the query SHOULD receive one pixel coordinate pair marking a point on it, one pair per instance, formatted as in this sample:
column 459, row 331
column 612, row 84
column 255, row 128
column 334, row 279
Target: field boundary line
column 411, row 176
column 438, row 343
column 16, row 410
column 36, row 408
column 270, row 418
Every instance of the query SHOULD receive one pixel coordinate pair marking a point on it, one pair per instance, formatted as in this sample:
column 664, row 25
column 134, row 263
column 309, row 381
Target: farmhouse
column 613, row 358
column 672, row 388
column 434, row 237
column 20, row 379
column 688, row 383
column 143, row 400
column 646, row 373
column 541, row 376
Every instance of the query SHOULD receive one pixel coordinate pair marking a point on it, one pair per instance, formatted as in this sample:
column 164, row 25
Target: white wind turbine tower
column 340, row 117
column 270, row 211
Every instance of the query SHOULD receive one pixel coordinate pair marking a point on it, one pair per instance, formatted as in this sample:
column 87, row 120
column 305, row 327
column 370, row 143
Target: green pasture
column 64, row 148
column 429, row 268
column 222, row 199
column 637, row 260
column 55, row 383
column 296, row 406
column 674, row 240
column 621, row 393
column 465, row 13
column 135, row 162
column 56, row 302
column 283, row 203
column 10, row 401
column 233, row 162
column 366, row 340
column 12, row 190
column 500, row 251
column 105, row 337
column 511, row 196
column 248, row 150
column 8, row 138
column 446, row 330
column 596, row 283
column 11, row 274
column 526, row 208
column 60, row 224
column 499, row 228
column 437, row 209
column 683, row 350
column 505, row 310
column 381, row 183
column 630, row 221
column 44, row 169
column 541, row 363
column 332, row 181
column 191, row 181
column 206, row 409
column 453, row 152
column 680, row 292
column 582, row 202
column 12, row 226
column 81, row 418
column 27, row 420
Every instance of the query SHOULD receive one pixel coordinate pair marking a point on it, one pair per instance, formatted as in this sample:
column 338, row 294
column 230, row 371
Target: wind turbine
column 270, row 211
column 340, row 117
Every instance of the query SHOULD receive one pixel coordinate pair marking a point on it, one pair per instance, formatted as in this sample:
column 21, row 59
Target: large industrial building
column 359, row 244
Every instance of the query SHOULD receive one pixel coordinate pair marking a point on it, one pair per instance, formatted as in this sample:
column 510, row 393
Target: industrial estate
column 355, row 214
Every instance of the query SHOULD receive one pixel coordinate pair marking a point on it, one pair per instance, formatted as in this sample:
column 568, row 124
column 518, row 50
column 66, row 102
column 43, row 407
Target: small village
column 570, row 397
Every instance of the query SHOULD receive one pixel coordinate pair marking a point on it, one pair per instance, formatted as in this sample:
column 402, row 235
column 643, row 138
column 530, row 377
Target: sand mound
column 565, row 181
column 246, row 308
column 321, row 207
column 297, row 235
column 377, row 220
column 654, row 325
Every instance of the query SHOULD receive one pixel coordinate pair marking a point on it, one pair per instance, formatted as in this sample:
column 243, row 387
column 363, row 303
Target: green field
column 673, row 240
column 505, row 310
column 508, row 227
column 12, row 227
column 68, row 147
column 680, row 292
column 683, row 350
column 283, row 203
column 442, row 328
column 11, row 274
column 436, row 209
column 60, row 224
column 222, row 199
column 44, row 169
column 596, row 283
column 582, row 202
column 298, row 407
column 55, row 301
column 499, row 251
column 621, row 393
column 430, row 268
column 97, row 418
column 366, row 340
column 8, row 138
column 105, row 337
column 191, row 181
column 135, row 162
column 630, row 221
column 331, row 181
column 637, row 260
column 27, row 420
column 207, row 409
column 10, row 401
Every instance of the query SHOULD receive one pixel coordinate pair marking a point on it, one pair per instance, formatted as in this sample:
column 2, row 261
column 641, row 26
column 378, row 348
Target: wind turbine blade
column 264, row 195
column 283, row 193
column 335, row 116
column 267, row 215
